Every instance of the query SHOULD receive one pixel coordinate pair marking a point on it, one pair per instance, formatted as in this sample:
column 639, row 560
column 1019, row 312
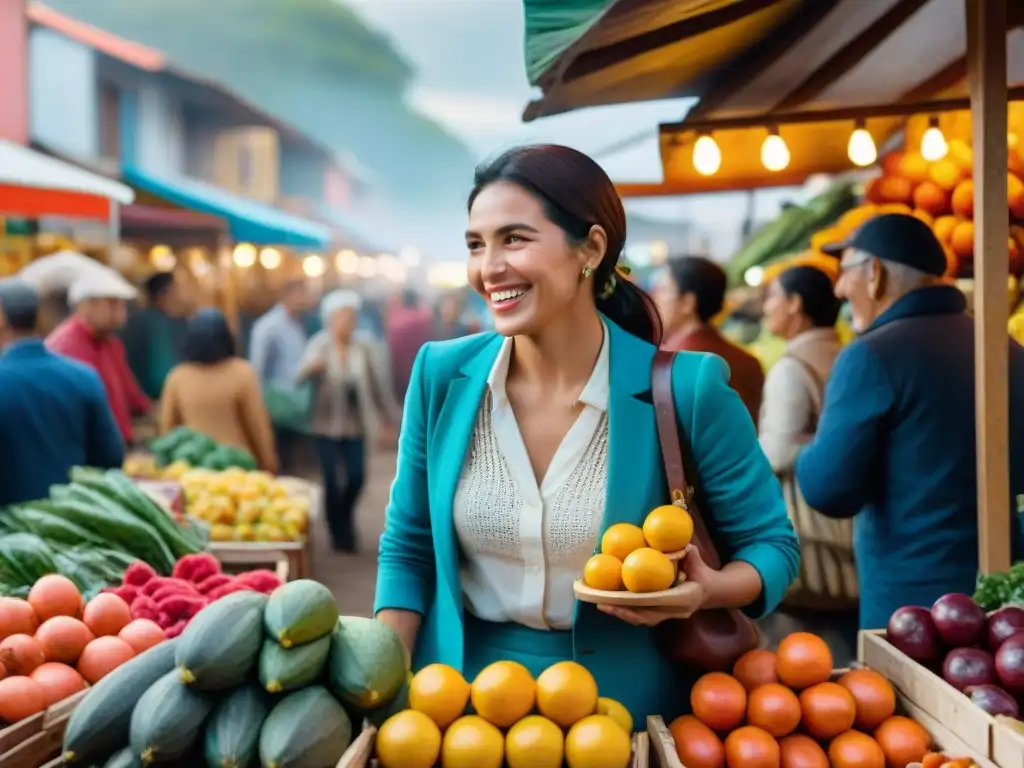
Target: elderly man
column 895, row 443
column 99, row 297
column 53, row 412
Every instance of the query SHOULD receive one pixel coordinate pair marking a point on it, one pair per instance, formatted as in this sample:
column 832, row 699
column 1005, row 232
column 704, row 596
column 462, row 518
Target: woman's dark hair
column 208, row 338
column 577, row 194
column 704, row 279
column 815, row 290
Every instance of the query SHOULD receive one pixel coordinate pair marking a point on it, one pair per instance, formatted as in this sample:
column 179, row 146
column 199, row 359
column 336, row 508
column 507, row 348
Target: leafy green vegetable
column 995, row 590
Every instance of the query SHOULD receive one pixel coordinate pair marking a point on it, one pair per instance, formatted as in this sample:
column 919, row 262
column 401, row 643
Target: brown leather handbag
column 712, row 640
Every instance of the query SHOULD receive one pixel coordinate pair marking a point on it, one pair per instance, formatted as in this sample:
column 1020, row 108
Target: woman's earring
column 588, row 272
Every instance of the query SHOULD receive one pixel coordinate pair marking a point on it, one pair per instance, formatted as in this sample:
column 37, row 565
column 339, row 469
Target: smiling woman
column 543, row 435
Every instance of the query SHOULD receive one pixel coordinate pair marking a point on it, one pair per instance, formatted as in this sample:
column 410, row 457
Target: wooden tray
column 635, row 599
column 37, row 739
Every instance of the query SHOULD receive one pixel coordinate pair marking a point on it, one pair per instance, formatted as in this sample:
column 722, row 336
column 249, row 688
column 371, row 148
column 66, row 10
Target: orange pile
column 783, row 710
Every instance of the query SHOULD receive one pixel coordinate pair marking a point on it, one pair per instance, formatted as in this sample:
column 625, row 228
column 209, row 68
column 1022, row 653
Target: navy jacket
column 895, row 447
column 53, row 416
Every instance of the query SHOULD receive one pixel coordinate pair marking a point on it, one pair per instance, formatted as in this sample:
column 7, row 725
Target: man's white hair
column 903, row 279
column 335, row 301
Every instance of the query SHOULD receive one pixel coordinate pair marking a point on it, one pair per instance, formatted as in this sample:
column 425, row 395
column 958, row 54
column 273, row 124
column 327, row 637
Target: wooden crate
column 37, row 739
column 1007, row 744
column 281, row 557
column 958, row 726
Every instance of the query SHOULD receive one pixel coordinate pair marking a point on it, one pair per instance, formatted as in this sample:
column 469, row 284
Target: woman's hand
column 702, row 580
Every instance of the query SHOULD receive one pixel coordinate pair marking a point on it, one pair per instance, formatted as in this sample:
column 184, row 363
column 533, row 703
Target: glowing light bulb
column 933, row 143
column 270, row 258
column 774, row 153
column 754, row 276
column 313, row 266
column 347, row 262
column 707, row 157
column 861, row 148
column 244, row 255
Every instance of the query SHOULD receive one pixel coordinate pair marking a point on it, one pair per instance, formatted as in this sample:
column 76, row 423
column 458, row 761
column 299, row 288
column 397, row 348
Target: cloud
column 471, row 114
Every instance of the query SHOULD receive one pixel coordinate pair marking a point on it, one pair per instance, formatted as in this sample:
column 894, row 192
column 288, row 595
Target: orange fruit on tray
column 597, row 742
column 800, row 751
column 854, row 749
column 696, row 745
column 603, row 572
column 750, row 747
column 647, row 570
column 621, row 539
column 774, row 708
column 754, row 668
column 534, row 742
column 409, row 739
column 828, row 710
column 503, row 692
column 440, row 692
column 55, row 595
column 63, row 638
column 16, row 617
column 472, row 742
column 902, row 741
column 803, row 660
column 668, row 528
column 873, row 695
column 566, row 693
column 719, row 701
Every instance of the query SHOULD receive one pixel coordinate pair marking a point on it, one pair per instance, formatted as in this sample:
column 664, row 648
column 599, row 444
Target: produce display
column 254, row 680
column 183, row 448
column 637, row 559
column 54, row 644
column 994, row 590
column 979, row 654
column 90, row 530
column 195, row 582
column 784, row 708
column 557, row 719
column 245, row 506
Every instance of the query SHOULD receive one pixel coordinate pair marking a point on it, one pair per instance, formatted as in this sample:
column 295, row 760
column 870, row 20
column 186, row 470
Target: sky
column 472, row 79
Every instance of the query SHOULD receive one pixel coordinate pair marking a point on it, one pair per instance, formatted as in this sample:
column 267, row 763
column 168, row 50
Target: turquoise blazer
column 418, row 567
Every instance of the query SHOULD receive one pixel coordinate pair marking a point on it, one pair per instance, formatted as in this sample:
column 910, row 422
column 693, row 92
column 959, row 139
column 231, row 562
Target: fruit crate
column 957, row 725
column 1007, row 743
column 360, row 752
column 37, row 739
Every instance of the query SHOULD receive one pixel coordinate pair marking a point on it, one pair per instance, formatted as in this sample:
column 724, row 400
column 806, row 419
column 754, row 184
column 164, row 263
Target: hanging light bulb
column 774, row 152
column 707, row 157
column 861, row 148
column 270, row 258
column 313, row 265
column 933, row 143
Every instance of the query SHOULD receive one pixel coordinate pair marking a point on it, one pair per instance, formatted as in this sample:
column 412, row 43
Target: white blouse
column 525, row 545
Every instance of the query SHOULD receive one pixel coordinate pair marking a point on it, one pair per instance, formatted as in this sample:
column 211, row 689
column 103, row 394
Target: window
column 110, row 122
column 246, row 167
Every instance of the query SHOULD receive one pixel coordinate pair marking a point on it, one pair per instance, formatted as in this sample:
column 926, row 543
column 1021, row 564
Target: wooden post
column 986, row 62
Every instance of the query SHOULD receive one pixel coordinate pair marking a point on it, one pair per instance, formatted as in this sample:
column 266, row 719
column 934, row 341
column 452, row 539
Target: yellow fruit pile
column 636, row 559
column 519, row 722
column 245, row 506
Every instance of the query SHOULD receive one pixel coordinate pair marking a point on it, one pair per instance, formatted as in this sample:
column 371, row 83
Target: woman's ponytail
column 625, row 303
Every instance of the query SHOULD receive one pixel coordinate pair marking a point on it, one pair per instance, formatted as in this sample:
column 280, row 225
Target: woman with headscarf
column 351, row 399
column 216, row 392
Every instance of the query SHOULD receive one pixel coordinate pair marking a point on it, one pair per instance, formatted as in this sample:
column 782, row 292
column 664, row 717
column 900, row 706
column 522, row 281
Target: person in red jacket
column 99, row 297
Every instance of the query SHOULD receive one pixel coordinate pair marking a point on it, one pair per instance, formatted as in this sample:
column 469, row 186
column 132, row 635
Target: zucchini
column 129, row 496
column 53, row 528
column 167, row 720
column 101, row 721
column 232, row 737
column 123, row 758
column 300, row 612
column 367, row 666
column 24, row 558
column 306, row 729
column 220, row 647
column 285, row 669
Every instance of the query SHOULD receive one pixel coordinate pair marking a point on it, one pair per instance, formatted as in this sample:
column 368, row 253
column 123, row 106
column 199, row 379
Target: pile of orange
column 783, row 710
column 557, row 719
column 636, row 559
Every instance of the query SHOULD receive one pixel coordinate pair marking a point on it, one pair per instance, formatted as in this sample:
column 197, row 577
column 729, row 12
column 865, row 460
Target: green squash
column 306, row 729
column 167, row 720
column 221, row 645
column 398, row 704
column 300, row 612
column 232, row 737
column 285, row 669
column 123, row 758
column 367, row 666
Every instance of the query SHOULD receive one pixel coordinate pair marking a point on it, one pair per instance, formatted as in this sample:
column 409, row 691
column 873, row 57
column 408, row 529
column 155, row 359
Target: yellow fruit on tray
column 503, row 692
column 297, row 519
column 597, row 742
column 603, row 572
column 472, row 742
column 621, row 539
column 668, row 528
column 408, row 739
column 250, row 511
column 265, row 532
column 566, row 693
column 245, row 532
column 534, row 742
column 440, row 692
column 221, row 532
column 616, row 712
column 647, row 570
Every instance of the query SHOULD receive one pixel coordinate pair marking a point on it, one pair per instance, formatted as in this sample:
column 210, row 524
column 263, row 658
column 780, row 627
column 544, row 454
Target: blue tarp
column 249, row 221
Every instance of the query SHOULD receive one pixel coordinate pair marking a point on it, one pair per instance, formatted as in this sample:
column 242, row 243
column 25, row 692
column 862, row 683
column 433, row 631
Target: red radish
column 102, row 656
column 1003, row 624
column 912, row 631
column 960, row 621
column 58, row 681
column 993, row 700
column 20, row 697
column 106, row 614
column 1010, row 664
column 967, row 667
column 142, row 634
column 63, row 638
column 20, row 654
column 55, row 595
column 16, row 617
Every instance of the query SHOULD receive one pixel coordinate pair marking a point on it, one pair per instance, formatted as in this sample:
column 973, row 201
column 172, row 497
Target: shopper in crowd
column 689, row 292
column 54, row 413
column 801, row 308
column 352, row 400
column 154, row 334
column 519, row 448
column 895, row 445
column 216, row 392
column 276, row 345
column 410, row 325
column 99, row 298
column 450, row 324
